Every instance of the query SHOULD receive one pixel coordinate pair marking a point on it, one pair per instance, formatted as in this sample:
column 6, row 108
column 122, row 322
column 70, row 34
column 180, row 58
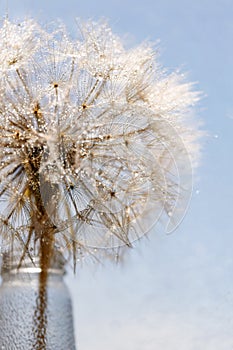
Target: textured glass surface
column 19, row 311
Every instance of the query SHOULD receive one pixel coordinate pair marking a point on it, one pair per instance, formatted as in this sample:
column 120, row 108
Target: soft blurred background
column 172, row 292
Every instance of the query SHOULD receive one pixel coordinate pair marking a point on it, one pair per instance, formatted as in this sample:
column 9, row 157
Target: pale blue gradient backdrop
column 173, row 292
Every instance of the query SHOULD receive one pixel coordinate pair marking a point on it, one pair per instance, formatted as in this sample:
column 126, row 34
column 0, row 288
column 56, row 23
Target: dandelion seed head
column 96, row 141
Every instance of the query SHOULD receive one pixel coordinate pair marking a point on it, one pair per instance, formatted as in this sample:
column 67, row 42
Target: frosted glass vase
column 20, row 310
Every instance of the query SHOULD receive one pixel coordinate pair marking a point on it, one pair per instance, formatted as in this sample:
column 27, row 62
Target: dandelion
column 93, row 140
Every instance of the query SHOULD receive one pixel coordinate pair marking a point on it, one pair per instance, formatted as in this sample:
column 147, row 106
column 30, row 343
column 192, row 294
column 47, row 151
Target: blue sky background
column 173, row 292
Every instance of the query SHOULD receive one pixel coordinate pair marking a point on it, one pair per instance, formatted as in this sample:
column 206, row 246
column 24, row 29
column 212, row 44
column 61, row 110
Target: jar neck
column 11, row 266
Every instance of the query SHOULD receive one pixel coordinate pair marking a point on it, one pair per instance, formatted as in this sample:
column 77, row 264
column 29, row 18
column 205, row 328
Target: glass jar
column 19, row 308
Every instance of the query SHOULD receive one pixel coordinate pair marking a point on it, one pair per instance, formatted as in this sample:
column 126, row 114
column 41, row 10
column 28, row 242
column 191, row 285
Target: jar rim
column 31, row 264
